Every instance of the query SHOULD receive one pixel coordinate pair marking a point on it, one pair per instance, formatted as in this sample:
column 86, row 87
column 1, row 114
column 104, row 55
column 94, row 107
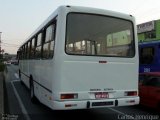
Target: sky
column 19, row 18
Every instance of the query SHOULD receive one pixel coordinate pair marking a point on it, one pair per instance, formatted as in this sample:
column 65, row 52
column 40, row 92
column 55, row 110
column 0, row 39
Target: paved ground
column 1, row 93
column 20, row 106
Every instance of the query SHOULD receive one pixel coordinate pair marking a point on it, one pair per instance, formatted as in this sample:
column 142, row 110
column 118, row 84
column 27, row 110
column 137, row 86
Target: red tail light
column 69, row 96
column 131, row 93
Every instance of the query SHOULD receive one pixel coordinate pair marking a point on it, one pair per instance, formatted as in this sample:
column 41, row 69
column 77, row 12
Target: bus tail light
column 131, row 93
column 69, row 96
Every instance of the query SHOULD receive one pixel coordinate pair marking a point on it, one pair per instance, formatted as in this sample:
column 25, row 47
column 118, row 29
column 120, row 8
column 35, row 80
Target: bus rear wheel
column 32, row 95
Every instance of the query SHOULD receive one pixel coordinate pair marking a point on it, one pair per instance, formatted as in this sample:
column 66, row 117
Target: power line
column 10, row 44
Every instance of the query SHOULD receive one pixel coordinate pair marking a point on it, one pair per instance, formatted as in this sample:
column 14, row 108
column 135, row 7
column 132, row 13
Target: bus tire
column 32, row 95
column 19, row 72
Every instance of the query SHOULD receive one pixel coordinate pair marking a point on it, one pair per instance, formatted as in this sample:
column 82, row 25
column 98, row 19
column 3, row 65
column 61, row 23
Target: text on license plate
column 101, row 95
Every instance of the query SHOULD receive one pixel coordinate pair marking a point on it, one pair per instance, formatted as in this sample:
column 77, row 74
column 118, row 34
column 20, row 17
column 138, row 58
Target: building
column 149, row 31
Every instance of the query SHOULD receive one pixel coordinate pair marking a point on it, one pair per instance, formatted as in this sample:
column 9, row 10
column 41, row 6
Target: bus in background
column 149, row 56
column 82, row 58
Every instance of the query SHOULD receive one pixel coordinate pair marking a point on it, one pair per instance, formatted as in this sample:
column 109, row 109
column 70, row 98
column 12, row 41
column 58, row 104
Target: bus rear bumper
column 87, row 104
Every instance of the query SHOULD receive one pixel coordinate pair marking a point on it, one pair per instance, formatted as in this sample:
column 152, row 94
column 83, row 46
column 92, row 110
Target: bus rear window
column 97, row 35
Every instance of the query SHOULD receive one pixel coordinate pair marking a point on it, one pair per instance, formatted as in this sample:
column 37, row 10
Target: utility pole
column 0, row 43
column 0, row 46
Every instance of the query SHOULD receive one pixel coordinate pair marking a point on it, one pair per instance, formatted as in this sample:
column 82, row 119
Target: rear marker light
column 131, row 101
column 70, row 105
column 69, row 96
column 131, row 93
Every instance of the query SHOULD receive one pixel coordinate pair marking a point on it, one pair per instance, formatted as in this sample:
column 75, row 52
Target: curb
column 1, row 93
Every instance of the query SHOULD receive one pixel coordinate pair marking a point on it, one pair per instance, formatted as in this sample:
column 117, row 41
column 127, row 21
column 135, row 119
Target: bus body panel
column 83, row 75
column 24, row 71
column 78, row 71
column 57, row 105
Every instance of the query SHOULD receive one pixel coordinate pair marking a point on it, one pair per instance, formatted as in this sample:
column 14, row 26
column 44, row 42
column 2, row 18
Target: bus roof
column 83, row 10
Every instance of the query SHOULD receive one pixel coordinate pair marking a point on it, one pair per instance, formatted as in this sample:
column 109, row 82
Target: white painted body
column 81, row 74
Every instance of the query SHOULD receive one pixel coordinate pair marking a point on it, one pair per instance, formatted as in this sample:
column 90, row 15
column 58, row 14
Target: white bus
column 82, row 58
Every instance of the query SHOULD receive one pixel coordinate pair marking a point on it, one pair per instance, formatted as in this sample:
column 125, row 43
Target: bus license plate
column 101, row 95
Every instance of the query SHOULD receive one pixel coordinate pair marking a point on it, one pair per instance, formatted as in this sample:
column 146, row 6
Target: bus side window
column 26, row 51
column 48, row 45
column 29, row 49
column 22, row 54
column 38, row 46
column 32, row 48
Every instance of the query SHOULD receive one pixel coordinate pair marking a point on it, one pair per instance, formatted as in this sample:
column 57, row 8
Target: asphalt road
column 19, row 107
